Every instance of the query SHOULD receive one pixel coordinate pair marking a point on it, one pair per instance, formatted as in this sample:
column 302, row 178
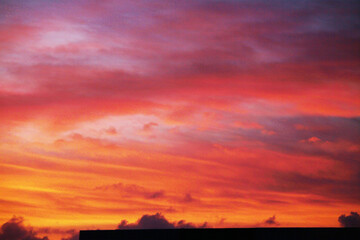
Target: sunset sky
column 226, row 112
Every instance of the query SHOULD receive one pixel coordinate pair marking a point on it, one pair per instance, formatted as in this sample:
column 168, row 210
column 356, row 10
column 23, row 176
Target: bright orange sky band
column 225, row 112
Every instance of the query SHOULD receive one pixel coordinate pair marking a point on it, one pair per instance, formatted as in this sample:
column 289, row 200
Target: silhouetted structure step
column 224, row 233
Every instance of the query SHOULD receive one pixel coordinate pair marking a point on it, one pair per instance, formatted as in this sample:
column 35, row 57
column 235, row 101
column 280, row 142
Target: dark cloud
column 188, row 198
column 132, row 190
column 272, row 221
column 183, row 224
column 352, row 220
column 154, row 195
column 157, row 221
column 14, row 229
column 294, row 129
column 325, row 186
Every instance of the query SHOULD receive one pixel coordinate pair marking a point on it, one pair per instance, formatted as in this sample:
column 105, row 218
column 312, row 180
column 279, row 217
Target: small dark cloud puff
column 352, row 220
column 188, row 198
column 157, row 221
column 14, row 229
column 272, row 221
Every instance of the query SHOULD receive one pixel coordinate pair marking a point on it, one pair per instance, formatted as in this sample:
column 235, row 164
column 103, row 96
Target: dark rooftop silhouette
column 224, row 233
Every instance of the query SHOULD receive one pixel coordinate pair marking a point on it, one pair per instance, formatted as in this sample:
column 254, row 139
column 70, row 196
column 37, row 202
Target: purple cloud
column 352, row 220
column 157, row 221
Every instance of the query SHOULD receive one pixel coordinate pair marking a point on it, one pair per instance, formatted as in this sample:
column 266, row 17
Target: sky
column 236, row 113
